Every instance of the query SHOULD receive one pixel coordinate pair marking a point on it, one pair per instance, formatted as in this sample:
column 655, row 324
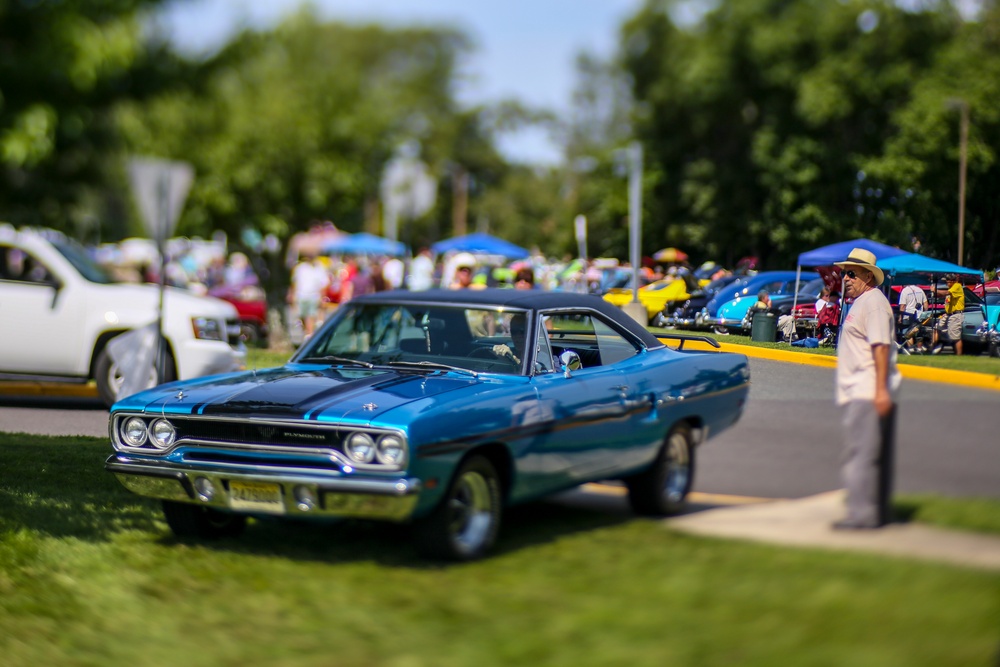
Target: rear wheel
column 663, row 487
column 465, row 524
column 187, row 520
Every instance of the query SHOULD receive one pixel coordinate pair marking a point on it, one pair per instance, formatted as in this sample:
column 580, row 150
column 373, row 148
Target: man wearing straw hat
column 867, row 388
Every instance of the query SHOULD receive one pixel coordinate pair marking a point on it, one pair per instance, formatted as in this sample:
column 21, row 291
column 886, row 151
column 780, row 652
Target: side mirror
column 570, row 361
column 56, row 285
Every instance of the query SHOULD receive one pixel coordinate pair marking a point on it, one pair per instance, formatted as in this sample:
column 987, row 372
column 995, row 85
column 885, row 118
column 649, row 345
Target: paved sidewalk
column 806, row 522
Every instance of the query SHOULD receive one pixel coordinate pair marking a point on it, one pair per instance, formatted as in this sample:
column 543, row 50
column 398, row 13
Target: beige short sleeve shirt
column 869, row 322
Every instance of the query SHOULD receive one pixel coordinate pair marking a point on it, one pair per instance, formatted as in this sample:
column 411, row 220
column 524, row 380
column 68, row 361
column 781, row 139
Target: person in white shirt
column 309, row 281
column 867, row 390
column 392, row 271
column 421, row 272
column 912, row 302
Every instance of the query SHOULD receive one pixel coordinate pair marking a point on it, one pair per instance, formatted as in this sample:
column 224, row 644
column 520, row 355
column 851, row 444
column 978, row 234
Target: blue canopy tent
column 483, row 244
column 902, row 269
column 364, row 244
column 838, row 252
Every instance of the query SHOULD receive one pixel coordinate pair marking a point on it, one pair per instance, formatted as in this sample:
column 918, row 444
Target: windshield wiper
column 433, row 365
column 336, row 359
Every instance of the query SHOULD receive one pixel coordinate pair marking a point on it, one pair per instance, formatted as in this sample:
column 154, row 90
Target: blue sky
column 525, row 49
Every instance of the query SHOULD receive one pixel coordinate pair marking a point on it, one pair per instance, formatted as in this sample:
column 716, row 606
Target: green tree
column 63, row 68
column 297, row 123
column 922, row 157
column 759, row 118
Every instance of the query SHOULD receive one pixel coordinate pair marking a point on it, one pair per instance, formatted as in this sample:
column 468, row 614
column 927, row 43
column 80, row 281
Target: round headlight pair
column 160, row 434
column 389, row 450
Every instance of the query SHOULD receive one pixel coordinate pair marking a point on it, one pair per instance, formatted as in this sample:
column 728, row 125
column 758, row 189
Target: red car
column 251, row 304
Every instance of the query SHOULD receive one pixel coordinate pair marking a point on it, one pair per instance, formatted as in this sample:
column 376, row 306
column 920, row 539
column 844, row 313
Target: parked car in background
column 687, row 314
column 60, row 310
column 728, row 308
column 656, row 295
column 990, row 329
column 250, row 302
column 437, row 409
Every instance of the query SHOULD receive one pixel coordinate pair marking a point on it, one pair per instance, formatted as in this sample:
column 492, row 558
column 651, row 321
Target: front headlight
column 207, row 328
column 391, row 451
column 134, row 432
column 361, row 448
column 162, row 434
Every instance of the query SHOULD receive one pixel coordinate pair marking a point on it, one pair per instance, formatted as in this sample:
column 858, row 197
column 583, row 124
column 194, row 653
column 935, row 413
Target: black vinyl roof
column 513, row 298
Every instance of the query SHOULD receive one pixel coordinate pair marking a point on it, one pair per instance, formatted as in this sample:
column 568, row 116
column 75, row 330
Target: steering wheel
column 483, row 353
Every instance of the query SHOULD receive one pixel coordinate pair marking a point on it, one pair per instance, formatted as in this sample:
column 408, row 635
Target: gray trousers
column 869, row 452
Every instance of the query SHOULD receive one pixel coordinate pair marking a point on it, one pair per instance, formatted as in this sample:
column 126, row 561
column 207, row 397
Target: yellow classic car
column 653, row 296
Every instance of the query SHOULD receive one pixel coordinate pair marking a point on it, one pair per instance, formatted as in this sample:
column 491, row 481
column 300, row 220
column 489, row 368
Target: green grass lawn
column 89, row 575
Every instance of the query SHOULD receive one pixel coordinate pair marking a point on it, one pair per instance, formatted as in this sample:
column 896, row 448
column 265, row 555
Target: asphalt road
column 787, row 444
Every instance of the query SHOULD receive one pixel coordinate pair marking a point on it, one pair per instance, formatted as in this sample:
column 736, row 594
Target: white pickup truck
column 59, row 309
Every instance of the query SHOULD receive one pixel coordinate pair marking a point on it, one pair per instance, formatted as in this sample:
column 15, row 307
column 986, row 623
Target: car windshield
column 421, row 337
column 87, row 267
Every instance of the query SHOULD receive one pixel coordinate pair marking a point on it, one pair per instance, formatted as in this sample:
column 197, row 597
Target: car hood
column 297, row 393
column 129, row 298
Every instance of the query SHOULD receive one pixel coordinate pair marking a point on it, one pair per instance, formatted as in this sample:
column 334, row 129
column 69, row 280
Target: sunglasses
column 850, row 274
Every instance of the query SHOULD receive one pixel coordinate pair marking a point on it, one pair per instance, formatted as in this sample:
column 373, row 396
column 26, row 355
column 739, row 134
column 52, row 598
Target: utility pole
column 635, row 213
column 963, row 154
column 963, row 148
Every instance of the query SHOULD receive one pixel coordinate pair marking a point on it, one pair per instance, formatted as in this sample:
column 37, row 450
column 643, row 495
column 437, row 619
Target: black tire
column 250, row 334
column 109, row 379
column 186, row 520
column 465, row 524
column 662, row 488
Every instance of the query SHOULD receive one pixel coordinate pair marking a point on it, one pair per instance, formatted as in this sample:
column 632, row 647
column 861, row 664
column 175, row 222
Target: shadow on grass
column 57, row 486
column 389, row 544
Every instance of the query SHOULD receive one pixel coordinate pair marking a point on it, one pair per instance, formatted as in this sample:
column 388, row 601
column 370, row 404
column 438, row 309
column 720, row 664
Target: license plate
column 256, row 497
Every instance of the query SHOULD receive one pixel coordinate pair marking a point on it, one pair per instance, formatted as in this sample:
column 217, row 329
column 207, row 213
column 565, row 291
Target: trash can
column 764, row 327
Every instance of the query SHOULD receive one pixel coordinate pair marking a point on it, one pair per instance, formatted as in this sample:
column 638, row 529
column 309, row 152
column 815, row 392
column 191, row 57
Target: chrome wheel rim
column 470, row 511
column 116, row 378
column 678, row 468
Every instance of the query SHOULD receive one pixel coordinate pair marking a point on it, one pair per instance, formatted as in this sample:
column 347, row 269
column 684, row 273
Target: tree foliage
column 775, row 126
column 63, row 68
column 297, row 124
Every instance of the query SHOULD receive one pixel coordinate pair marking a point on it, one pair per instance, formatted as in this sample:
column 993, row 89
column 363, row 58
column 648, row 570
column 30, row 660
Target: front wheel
column 110, row 377
column 663, row 487
column 187, row 520
column 465, row 524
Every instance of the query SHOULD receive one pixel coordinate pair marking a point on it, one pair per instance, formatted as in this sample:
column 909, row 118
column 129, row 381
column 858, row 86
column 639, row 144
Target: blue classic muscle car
column 435, row 408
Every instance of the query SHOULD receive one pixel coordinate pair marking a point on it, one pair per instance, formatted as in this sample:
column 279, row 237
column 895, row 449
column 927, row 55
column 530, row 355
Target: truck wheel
column 109, row 376
column 465, row 524
column 663, row 487
column 187, row 520
column 250, row 334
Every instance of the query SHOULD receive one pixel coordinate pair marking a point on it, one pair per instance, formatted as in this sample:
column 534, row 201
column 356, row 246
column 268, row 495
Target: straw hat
column 864, row 259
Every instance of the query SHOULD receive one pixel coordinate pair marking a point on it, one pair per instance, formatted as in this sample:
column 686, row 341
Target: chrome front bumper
column 382, row 499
